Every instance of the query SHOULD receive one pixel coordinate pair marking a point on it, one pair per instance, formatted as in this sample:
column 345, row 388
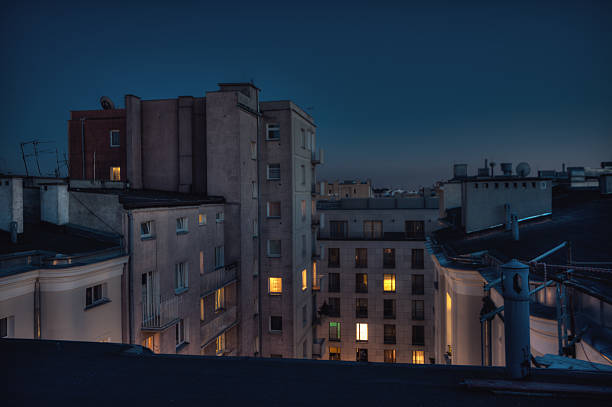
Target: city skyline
column 399, row 93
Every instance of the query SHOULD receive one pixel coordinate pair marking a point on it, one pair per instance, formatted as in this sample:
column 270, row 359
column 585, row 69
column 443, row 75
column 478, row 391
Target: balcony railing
column 218, row 278
column 157, row 316
column 224, row 320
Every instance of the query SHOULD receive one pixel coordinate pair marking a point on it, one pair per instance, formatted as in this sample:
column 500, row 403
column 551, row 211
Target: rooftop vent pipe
column 515, row 287
column 515, row 226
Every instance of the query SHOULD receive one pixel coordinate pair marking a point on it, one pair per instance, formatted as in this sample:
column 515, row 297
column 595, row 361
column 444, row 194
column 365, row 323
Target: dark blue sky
column 399, row 92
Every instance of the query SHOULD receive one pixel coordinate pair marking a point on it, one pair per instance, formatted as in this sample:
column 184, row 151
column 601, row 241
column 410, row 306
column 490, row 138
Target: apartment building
column 288, row 160
column 56, row 281
column 376, row 285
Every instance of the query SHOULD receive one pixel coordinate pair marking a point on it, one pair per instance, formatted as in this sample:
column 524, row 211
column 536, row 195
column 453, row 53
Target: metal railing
column 159, row 315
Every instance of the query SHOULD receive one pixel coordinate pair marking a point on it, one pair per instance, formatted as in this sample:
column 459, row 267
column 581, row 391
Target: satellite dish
column 523, row 169
column 107, row 103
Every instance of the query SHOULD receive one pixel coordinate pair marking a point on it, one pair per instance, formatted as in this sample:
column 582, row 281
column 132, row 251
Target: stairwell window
column 181, row 225
column 274, row 248
column 220, row 344
column 114, row 138
column 275, row 285
column 274, row 172
column 274, row 209
column 273, row 131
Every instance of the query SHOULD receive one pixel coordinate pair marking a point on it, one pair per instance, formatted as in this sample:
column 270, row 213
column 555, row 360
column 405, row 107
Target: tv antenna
column 35, row 154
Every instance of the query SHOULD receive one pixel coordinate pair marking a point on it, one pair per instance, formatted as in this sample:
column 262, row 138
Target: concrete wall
column 31, row 204
column 96, row 211
column 133, row 150
column 450, row 197
column 54, row 204
column 11, row 203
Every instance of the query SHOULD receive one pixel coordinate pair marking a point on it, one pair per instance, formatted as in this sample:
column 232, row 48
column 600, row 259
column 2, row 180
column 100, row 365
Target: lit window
column 304, row 280
column 220, row 344
column 94, row 295
column 181, row 276
column 274, row 172
column 362, row 332
column 114, row 138
column 315, row 281
column 219, row 299
column 303, row 208
column 418, row 357
column 274, row 248
column 149, row 342
column 361, row 258
column 202, row 219
column 361, row 283
column 389, row 283
column 146, row 229
column 334, row 331
column 273, row 131
column 334, row 353
column 201, row 262
column 181, row 225
column 274, row 209
column 201, row 309
column 115, row 173
column 219, row 257
column 389, row 355
column 275, row 285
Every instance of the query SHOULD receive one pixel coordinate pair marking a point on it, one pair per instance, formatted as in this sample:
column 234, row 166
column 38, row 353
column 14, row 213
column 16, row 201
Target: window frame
column 182, row 225
column 272, row 204
column 329, row 257
column 268, row 167
column 278, row 282
column 361, row 332
column 274, row 127
column 149, row 234
column 337, row 326
column 389, row 277
column 118, row 132
column 181, row 277
column 279, row 320
column 280, row 248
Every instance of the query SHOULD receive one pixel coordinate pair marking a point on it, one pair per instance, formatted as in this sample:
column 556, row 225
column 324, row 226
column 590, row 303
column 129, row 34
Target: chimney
column 515, row 227
column 54, row 203
column 515, row 287
column 11, row 205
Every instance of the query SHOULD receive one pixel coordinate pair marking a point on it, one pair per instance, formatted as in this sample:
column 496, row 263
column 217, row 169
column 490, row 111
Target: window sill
column 276, row 332
column 219, row 267
column 334, row 340
column 97, row 304
column 179, row 291
column 361, row 341
column 201, row 224
column 274, row 256
column 273, row 139
column 182, row 232
column 273, row 217
column 389, row 317
column 180, row 346
column 218, row 221
column 389, row 292
column 149, row 237
column 275, row 294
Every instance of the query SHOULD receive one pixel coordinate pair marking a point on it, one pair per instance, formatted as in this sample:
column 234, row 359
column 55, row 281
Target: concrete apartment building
column 562, row 237
column 345, row 189
column 56, row 282
column 376, row 284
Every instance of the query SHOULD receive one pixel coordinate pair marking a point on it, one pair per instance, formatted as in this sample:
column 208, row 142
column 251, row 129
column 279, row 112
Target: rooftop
column 134, row 199
column 416, row 202
column 71, row 373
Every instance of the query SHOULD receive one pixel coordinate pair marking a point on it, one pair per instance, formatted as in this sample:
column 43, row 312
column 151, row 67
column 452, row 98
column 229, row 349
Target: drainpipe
column 515, row 287
column 37, row 331
column 83, row 144
column 131, row 276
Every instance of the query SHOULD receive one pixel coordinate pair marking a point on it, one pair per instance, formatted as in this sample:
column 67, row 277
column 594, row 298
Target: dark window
column 361, row 283
column 389, row 258
column 418, row 284
column 273, row 132
column 497, row 185
column 415, row 229
column 524, row 185
column 533, row 184
column 372, row 229
column 361, row 308
column 274, row 171
column 276, row 323
column 418, row 335
column 418, row 259
column 506, row 184
column 93, row 295
column 334, row 257
column 334, row 307
column 515, row 185
column 361, row 258
column 338, row 229
column 3, row 327
column 334, row 331
column 418, row 310
column 389, row 355
column 114, row 136
column 362, row 355
column 389, row 309
column 334, row 283
column 389, row 337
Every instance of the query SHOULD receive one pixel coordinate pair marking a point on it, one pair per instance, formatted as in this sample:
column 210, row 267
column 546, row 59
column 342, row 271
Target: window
column 181, row 276
column 303, row 138
column 362, row 332
column 418, row 335
column 362, row 355
column 304, row 247
column 334, row 283
column 389, row 334
column 181, row 225
column 389, row 356
column 418, row 284
column 146, row 229
column 202, row 219
column 334, row 353
column 315, row 279
column 274, row 172
column 310, row 142
column 415, row 229
column 94, row 295
column 253, row 190
column 304, row 315
column 274, row 209
column 418, row 259
column 372, row 229
column 389, row 258
column 361, row 308
column 361, row 258
column 361, row 283
column 418, row 357
column 338, row 229
column 304, row 280
column 202, row 309
column 255, row 228
column 220, row 344
column 201, row 262
column 334, row 331
column 389, row 283
column 219, row 217
column 219, row 257
column 275, row 285
column 333, row 307
column 274, row 248
column 7, row 325
column 389, row 309
column 114, row 138
column 180, row 333
column 115, row 173
column 276, row 324
column 273, row 131
column 303, row 174
column 418, row 310
column 305, row 349
column 220, row 299
column 253, row 150
column 303, row 209
column 149, row 342
column 333, row 259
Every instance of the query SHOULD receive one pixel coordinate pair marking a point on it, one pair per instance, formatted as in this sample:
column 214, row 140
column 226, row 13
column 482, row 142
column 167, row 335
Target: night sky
column 399, row 92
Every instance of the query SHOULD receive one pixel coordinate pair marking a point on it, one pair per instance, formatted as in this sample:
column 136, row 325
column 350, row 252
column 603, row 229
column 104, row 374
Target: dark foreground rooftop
column 77, row 373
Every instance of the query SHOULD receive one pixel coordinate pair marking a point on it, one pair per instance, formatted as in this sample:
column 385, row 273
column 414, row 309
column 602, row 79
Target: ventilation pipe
column 515, row 287
column 515, row 227
column 508, row 217
column 13, row 227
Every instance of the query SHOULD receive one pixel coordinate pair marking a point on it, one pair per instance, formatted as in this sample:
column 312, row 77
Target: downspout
column 83, row 145
column 260, row 324
column 37, row 331
column 131, row 276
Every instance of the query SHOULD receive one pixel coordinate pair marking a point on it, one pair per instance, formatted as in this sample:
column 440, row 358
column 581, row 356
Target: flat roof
column 71, row 373
column 135, row 199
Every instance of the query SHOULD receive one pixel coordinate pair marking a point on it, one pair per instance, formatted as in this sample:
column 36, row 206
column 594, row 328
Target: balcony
column 218, row 278
column 317, row 157
column 224, row 320
column 161, row 315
